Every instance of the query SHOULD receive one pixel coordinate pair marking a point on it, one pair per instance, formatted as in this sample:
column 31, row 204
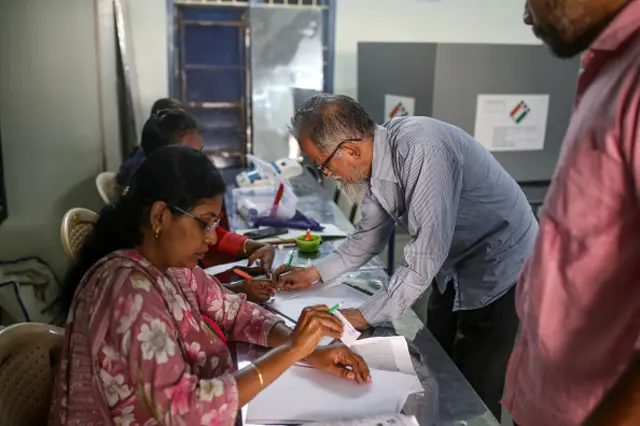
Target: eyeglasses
column 324, row 167
column 209, row 227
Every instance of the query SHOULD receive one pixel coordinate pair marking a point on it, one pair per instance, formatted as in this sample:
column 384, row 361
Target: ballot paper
column 304, row 394
column 386, row 353
column 291, row 304
column 218, row 269
column 349, row 333
column 390, row 420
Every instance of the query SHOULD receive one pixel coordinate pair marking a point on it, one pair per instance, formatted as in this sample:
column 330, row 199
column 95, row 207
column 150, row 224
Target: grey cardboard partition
column 446, row 79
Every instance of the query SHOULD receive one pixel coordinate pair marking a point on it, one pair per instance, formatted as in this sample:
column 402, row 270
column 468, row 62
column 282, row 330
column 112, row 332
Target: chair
column 76, row 225
column 107, row 187
column 29, row 358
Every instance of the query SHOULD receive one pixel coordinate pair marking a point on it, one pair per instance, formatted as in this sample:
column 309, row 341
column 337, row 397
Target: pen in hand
column 293, row 253
column 246, row 276
column 335, row 308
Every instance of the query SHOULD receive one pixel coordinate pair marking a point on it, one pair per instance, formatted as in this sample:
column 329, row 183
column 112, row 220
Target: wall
column 456, row 21
column 459, row 21
column 51, row 116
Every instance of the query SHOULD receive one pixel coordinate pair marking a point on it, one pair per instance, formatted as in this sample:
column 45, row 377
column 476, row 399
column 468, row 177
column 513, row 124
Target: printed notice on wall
column 398, row 106
column 512, row 122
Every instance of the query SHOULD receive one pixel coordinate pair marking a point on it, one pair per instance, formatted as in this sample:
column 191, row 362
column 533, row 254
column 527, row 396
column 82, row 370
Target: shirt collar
column 623, row 26
column 382, row 165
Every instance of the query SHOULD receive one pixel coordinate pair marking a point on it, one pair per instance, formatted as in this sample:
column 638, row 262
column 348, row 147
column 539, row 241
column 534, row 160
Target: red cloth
column 225, row 250
column 578, row 296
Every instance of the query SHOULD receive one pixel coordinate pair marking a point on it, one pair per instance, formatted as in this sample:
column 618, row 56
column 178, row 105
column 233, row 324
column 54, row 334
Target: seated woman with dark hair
column 128, row 168
column 147, row 331
column 177, row 127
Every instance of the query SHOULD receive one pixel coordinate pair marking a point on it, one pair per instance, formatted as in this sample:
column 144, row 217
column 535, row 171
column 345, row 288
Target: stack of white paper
column 320, row 397
column 304, row 394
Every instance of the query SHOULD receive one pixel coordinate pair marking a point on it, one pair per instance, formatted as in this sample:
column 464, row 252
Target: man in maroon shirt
column 579, row 295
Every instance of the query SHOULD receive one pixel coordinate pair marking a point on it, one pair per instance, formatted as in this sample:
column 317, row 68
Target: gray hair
column 329, row 119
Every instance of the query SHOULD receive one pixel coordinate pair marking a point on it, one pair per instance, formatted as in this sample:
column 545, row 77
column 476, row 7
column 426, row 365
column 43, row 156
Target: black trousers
column 479, row 341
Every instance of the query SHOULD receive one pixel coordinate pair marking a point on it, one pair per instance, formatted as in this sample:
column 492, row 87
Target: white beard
column 355, row 192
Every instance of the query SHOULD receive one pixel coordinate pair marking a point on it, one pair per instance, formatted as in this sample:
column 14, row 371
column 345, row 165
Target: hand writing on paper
column 340, row 361
column 257, row 291
column 296, row 278
column 356, row 319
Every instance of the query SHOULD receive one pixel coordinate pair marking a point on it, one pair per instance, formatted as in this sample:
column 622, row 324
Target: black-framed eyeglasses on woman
column 324, row 167
column 209, row 227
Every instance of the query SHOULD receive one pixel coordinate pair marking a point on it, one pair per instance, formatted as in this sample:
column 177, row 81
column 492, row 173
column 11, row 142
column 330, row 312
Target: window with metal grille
column 209, row 67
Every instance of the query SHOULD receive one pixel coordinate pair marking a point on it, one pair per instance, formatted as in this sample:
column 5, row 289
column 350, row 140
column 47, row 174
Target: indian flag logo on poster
column 520, row 112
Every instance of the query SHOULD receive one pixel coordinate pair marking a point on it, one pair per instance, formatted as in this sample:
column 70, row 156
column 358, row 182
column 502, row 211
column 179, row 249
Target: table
column 456, row 403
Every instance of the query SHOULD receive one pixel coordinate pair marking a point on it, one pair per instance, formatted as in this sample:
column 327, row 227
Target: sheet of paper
column 292, row 304
column 385, row 353
column 322, row 397
column 398, row 106
column 218, row 269
column 390, row 420
column 349, row 333
column 512, row 122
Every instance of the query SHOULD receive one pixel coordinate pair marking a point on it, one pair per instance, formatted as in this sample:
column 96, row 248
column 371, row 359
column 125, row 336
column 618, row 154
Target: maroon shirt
column 579, row 295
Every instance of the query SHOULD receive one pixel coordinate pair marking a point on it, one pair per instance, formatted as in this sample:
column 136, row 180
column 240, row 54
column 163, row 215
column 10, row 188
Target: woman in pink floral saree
column 147, row 330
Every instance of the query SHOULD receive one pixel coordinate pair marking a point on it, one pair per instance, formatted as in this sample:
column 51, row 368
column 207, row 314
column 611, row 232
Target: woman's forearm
column 249, row 247
column 270, row 367
column 278, row 335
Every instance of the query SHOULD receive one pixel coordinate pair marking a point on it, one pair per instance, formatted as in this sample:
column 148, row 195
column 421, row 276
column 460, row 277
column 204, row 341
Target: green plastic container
column 312, row 246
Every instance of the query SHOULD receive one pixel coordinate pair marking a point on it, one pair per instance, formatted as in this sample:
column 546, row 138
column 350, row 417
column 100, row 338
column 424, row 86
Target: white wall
column 455, row 21
column 461, row 21
column 50, row 117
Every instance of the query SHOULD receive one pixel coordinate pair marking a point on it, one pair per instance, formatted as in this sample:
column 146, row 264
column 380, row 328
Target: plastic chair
column 76, row 225
column 107, row 187
column 29, row 359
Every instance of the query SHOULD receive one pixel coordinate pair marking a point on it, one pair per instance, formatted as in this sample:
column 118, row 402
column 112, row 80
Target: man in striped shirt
column 470, row 224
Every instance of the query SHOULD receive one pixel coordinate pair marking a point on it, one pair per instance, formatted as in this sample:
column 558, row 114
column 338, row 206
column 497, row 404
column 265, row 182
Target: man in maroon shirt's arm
column 621, row 406
column 578, row 297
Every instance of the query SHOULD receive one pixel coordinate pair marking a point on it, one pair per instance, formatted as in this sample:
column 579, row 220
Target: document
column 304, row 394
column 385, row 353
column 512, row 122
column 390, row 420
column 291, row 304
column 218, row 269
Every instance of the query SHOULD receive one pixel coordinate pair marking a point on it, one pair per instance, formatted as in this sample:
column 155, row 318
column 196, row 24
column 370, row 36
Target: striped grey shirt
column 470, row 223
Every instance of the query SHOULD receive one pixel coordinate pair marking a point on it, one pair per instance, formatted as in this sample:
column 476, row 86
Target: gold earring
column 157, row 233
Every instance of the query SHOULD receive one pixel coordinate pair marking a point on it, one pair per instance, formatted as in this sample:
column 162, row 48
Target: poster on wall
column 512, row 122
column 398, row 106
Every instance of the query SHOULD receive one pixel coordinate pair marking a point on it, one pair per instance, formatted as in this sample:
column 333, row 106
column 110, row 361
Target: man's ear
column 159, row 216
column 352, row 149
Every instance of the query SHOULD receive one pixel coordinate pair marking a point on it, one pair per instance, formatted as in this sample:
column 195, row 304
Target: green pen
column 335, row 308
column 293, row 252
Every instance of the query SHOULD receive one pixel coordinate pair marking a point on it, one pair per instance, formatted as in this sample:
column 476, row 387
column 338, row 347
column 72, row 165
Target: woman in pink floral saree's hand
column 147, row 330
